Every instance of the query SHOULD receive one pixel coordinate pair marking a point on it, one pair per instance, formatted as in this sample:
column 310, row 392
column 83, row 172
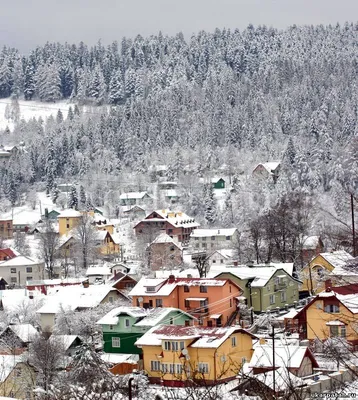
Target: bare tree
column 85, row 235
column 20, row 243
column 49, row 243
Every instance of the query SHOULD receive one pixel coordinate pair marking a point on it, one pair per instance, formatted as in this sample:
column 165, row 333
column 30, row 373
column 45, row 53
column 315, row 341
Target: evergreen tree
column 210, row 204
column 73, row 200
column 116, row 88
column 29, row 82
column 82, row 198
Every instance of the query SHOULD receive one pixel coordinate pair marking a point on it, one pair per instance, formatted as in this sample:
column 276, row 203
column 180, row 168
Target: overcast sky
column 27, row 23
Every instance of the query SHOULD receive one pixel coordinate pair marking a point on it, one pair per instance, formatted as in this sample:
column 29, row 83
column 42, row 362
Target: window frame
column 116, row 339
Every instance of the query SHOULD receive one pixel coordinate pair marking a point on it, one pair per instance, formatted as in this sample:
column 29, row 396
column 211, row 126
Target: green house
column 122, row 326
column 266, row 287
column 218, row 183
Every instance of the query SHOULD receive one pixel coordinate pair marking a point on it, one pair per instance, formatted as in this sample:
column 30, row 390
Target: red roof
column 8, row 253
column 346, row 289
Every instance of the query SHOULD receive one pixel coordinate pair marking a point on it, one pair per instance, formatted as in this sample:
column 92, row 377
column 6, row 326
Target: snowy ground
column 32, row 109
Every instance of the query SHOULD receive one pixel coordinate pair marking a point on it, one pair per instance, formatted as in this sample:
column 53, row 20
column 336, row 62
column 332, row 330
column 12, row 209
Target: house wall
column 214, row 242
column 164, row 255
column 220, row 300
column 20, row 383
column 47, row 322
column 6, row 229
column 167, row 301
column 317, row 284
column 305, row 368
column 67, row 224
column 223, row 363
column 17, row 274
column 317, row 319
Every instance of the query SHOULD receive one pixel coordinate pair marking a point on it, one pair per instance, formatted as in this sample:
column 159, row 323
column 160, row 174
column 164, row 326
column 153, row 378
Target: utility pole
column 353, row 228
column 273, row 362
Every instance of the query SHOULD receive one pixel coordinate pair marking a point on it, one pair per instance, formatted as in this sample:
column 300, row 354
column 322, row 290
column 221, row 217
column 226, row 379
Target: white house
column 20, row 269
column 213, row 239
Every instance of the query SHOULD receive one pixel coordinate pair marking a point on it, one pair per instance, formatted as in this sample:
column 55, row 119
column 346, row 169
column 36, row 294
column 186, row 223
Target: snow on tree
column 73, row 199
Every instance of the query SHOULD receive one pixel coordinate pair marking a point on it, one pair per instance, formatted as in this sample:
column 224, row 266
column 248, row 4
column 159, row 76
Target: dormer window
column 150, row 289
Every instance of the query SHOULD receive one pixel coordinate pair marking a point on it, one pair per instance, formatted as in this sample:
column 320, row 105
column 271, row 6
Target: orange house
column 212, row 301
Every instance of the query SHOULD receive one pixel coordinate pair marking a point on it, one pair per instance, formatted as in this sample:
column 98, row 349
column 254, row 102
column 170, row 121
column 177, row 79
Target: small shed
column 218, row 183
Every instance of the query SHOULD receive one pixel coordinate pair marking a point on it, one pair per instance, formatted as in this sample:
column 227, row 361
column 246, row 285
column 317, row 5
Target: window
column 272, row 299
column 164, row 368
column 203, row 239
column 230, row 289
column 110, row 299
column 203, row 289
column 186, row 289
column 150, row 289
column 111, row 327
column 29, row 278
column 221, row 261
column 200, row 321
column 214, row 261
column 243, row 360
column 170, row 231
column 116, row 342
column 203, row 245
column 212, row 237
column 67, row 226
column 29, row 270
column 196, row 238
column 268, row 288
column 127, row 323
column 228, row 237
column 13, row 270
column 283, row 296
column 331, row 308
column 203, row 368
column 230, row 302
column 343, row 331
column 333, row 331
column 159, row 302
column 155, row 365
column 13, row 279
column 210, row 323
column 233, row 341
column 171, row 321
column 175, row 346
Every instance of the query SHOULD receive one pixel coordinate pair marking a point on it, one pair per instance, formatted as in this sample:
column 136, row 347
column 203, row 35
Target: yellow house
column 174, row 354
column 107, row 243
column 67, row 220
column 316, row 272
column 332, row 313
column 17, row 378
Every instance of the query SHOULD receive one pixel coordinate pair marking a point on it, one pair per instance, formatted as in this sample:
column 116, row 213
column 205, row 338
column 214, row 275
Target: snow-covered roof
column 165, row 286
column 133, row 195
column 170, row 193
column 350, row 301
column 212, row 232
column 260, row 275
column 177, row 219
column 112, row 317
column 287, row 356
column 283, row 378
column 69, row 213
column 18, row 261
column 25, row 332
column 225, row 253
column 157, row 314
column 64, row 340
column 270, row 166
column 97, row 270
column 337, row 258
column 164, row 238
column 73, row 297
column 310, row 242
column 205, row 337
column 14, row 299
column 7, row 364
column 216, row 179
column 116, row 358
column 289, row 315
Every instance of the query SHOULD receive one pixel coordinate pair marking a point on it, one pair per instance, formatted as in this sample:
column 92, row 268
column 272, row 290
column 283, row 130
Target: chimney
column 85, row 283
column 31, row 295
column 218, row 231
column 171, row 279
column 327, row 284
column 236, row 263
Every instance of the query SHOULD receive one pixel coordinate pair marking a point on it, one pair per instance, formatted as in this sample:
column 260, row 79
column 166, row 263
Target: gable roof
column 18, row 261
column 270, row 166
column 166, row 286
column 8, row 252
column 287, row 356
column 176, row 219
column 98, row 270
column 213, row 232
column 25, row 332
column 202, row 336
column 133, row 195
column 164, row 238
column 311, row 242
column 69, row 213
column 65, row 341
column 336, row 258
column 7, row 364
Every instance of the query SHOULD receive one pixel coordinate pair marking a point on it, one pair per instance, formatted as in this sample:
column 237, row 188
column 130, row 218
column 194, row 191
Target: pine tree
column 55, row 193
column 29, row 82
column 98, row 87
column 5, row 79
column 70, row 114
column 82, row 198
column 210, row 204
column 116, row 88
column 59, row 117
column 73, row 200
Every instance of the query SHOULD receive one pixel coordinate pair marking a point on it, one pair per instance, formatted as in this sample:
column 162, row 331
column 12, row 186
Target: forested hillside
column 217, row 102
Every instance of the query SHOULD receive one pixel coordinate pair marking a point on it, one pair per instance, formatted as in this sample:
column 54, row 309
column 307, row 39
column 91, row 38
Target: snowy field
column 32, row 109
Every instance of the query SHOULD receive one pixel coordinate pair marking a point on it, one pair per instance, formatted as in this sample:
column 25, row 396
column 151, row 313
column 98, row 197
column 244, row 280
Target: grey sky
column 27, row 23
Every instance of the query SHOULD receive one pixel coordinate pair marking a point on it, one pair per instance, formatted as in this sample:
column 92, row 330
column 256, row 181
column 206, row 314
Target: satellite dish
column 223, row 358
column 185, row 352
column 140, row 299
